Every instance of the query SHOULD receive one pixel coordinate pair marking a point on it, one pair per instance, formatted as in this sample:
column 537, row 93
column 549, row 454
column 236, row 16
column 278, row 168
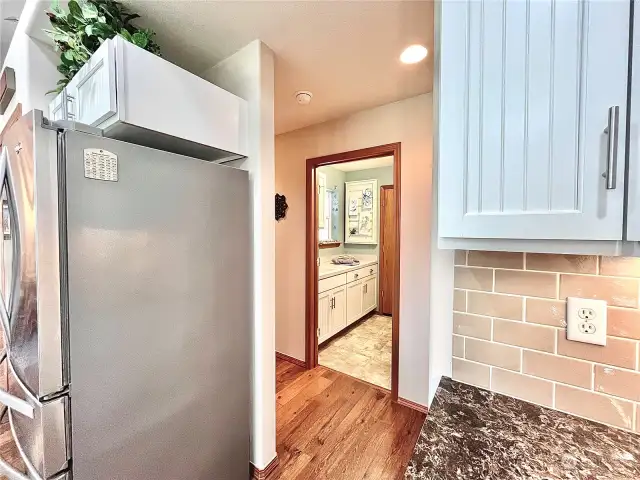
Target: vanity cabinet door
column 530, row 97
column 369, row 289
column 91, row 93
column 324, row 315
column 339, row 310
column 354, row 301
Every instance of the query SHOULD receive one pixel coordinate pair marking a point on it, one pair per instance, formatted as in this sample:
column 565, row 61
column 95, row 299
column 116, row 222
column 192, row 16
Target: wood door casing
column 311, row 251
column 387, row 249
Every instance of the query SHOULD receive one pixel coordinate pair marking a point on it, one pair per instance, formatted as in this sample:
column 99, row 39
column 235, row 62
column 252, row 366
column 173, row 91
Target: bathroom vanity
column 346, row 293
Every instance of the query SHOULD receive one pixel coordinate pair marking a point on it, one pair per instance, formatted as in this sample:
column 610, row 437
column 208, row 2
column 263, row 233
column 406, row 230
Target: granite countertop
column 328, row 269
column 472, row 433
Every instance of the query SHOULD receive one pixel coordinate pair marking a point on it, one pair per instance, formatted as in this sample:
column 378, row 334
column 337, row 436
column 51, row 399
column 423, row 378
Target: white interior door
column 525, row 94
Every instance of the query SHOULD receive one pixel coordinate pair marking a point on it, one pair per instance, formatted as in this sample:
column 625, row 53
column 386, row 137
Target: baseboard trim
column 413, row 405
column 257, row 474
column 289, row 359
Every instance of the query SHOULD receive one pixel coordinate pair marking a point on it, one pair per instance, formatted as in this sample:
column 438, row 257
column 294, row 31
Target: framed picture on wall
column 361, row 222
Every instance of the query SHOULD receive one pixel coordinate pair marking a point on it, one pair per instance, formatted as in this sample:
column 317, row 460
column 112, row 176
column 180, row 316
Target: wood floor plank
column 331, row 426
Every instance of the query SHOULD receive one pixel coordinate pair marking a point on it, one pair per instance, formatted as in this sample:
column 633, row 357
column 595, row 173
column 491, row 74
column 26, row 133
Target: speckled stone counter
column 472, row 433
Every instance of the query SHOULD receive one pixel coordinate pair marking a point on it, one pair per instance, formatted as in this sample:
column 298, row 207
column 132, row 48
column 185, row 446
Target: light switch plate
column 587, row 320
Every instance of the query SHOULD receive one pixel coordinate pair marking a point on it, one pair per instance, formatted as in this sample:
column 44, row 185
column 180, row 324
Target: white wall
column 409, row 122
column 441, row 307
column 249, row 74
column 35, row 66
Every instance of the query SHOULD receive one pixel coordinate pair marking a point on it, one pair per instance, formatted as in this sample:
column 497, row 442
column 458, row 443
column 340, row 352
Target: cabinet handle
column 71, row 113
column 612, row 147
column 371, row 270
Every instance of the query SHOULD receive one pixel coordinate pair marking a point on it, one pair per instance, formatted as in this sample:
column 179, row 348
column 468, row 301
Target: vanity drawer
column 332, row 282
column 362, row 272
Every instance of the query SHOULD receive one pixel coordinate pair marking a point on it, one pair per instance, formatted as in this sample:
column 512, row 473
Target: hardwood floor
column 8, row 450
column 331, row 426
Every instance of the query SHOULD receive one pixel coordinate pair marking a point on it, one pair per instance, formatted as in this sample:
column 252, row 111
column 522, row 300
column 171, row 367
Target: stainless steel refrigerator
column 126, row 309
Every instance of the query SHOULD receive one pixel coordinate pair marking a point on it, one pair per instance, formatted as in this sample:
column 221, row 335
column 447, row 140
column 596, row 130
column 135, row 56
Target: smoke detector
column 303, row 97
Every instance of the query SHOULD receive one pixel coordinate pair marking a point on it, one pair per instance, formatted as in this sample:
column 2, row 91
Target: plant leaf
column 89, row 10
column 79, row 32
column 68, row 57
column 126, row 35
column 140, row 39
column 56, row 8
column 74, row 9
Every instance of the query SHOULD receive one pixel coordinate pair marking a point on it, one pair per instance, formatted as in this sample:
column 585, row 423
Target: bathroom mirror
column 328, row 218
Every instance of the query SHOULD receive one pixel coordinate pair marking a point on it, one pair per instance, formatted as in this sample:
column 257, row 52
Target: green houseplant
column 78, row 33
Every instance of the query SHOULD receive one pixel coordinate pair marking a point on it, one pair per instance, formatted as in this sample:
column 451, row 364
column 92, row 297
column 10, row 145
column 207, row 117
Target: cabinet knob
column 355, row 275
column 371, row 270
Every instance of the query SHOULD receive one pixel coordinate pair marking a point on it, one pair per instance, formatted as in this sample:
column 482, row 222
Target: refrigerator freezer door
column 159, row 283
column 35, row 345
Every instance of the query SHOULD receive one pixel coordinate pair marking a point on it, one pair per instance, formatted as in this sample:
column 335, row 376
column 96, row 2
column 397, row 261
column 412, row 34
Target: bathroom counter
column 472, row 434
column 328, row 269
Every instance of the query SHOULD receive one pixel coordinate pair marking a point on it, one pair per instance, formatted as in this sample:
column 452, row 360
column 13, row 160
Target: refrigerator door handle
column 4, row 314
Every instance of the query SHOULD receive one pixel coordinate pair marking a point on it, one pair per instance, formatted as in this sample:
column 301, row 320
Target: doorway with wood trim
column 352, row 263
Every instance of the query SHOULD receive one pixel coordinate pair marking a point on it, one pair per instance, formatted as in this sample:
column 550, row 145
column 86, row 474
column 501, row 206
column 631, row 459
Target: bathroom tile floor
column 363, row 352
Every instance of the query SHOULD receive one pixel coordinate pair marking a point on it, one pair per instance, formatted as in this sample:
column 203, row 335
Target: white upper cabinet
column 91, row 94
column 138, row 97
column 532, row 110
column 633, row 208
column 58, row 107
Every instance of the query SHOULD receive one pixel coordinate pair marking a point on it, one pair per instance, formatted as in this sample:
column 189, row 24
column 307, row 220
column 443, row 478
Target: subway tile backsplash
column 509, row 332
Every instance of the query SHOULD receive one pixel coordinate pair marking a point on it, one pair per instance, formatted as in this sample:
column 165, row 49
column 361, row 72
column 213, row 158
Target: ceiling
column 364, row 164
column 344, row 51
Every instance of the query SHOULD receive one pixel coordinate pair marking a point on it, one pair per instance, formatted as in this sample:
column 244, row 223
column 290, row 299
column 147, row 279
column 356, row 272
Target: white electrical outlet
column 587, row 320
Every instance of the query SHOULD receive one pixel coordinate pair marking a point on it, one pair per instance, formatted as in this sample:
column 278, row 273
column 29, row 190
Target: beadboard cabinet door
column 92, row 91
column 633, row 201
column 530, row 95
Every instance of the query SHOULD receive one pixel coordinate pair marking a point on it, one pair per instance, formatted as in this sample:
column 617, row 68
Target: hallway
column 363, row 352
column 333, row 427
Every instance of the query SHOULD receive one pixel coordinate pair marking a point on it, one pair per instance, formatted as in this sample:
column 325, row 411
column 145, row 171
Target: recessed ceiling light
column 413, row 54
